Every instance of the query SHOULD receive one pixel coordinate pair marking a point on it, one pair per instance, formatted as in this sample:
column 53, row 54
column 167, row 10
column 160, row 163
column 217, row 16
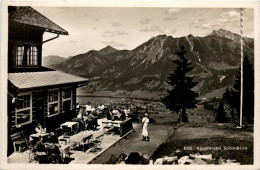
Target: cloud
column 172, row 14
column 230, row 15
column 168, row 31
column 114, row 33
column 113, row 43
column 233, row 13
column 158, row 29
column 145, row 21
column 151, row 29
column 72, row 42
column 207, row 26
column 116, row 24
column 172, row 10
column 171, row 17
column 195, row 21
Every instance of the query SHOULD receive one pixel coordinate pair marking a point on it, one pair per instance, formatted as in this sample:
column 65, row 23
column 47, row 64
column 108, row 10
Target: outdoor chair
column 58, row 132
column 41, row 154
column 54, row 153
column 41, row 157
column 66, row 130
column 107, row 127
column 31, row 151
column 86, row 142
column 75, row 130
column 34, row 155
column 18, row 140
column 97, row 144
column 64, row 140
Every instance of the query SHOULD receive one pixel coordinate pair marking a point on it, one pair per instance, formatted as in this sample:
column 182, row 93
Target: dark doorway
column 39, row 108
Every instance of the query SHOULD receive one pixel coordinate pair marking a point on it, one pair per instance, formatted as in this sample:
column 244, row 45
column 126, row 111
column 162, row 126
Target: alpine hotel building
column 36, row 94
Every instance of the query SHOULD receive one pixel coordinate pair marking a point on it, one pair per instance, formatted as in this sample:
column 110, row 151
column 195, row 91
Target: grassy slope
column 201, row 131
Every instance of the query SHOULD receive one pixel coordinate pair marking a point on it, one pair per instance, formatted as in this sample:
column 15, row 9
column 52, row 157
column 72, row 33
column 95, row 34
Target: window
column 53, row 96
column 23, row 110
column 18, row 52
column 25, row 55
column 67, row 93
column 66, row 99
column 32, row 55
column 53, row 104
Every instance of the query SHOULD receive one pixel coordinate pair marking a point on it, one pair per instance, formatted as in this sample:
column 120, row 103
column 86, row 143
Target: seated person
column 101, row 107
column 77, row 107
column 108, row 114
column 127, row 111
column 122, row 116
column 84, row 114
column 39, row 146
column 92, row 121
column 115, row 114
column 79, row 113
column 39, row 129
column 53, row 138
column 88, row 106
column 54, row 153
column 99, row 112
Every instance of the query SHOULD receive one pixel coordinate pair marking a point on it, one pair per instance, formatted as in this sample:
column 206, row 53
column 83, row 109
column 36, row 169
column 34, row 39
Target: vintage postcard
column 124, row 84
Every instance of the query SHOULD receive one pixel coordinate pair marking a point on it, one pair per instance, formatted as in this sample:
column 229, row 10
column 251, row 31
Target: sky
column 93, row 28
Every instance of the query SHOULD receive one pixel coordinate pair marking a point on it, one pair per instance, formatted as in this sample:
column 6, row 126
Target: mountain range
column 142, row 72
column 50, row 60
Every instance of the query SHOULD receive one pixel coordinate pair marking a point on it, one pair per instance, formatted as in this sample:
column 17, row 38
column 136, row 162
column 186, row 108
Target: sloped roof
column 27, row 15
column 32, row 80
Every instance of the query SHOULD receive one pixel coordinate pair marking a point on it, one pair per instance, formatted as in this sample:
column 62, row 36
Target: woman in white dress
column 145, row 122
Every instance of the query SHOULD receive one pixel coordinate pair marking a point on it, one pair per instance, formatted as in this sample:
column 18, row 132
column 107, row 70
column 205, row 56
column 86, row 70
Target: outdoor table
column 124, row 126
column 116, row 122
column 64, row 150
column 113, row 123
column 106, row 122
column 81, row 137
column 72, row 125
column 37, row 136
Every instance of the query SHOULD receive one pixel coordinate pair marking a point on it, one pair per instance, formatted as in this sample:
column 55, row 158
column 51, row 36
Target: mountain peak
column 108, row 49
column 221, row 32
column 227, row 34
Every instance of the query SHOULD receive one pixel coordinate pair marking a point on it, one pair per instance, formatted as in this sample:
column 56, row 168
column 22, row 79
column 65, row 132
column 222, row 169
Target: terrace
column 75, row 155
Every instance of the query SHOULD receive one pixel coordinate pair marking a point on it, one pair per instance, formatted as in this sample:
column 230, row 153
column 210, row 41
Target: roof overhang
column 30, row 17
column 26, row 81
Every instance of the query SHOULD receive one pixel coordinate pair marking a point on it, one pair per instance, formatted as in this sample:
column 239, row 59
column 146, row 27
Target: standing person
column 145, row 122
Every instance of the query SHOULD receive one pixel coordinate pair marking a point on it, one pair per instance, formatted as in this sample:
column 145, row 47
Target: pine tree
column 248, row 91
column 181, row 97
column 224, row 112
column 230, row 103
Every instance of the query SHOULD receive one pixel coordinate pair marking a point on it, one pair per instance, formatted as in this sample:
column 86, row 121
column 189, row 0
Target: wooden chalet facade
column 36, row 94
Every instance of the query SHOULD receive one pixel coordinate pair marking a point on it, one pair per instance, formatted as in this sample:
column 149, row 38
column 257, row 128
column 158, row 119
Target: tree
column 230, row 103
column 248, row 91
column 224, row 112
column 181, row 97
